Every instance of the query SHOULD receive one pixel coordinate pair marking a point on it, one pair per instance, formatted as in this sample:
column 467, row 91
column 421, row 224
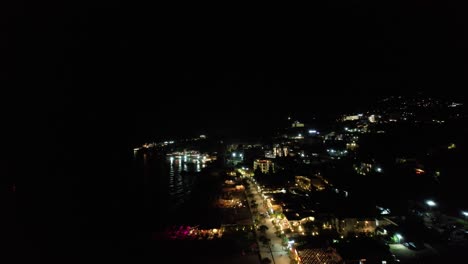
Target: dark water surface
column 176, row 190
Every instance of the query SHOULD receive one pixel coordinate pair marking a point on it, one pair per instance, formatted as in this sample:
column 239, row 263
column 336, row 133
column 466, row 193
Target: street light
column 400, row 237
column 465, row 213
column 431, row 203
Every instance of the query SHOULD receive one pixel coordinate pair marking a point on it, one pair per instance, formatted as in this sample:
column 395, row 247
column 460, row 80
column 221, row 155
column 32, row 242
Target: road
column 275, row 251
column 407, row 255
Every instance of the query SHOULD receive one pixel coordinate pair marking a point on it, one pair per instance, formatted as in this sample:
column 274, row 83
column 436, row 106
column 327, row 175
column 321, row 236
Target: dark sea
column 168, row 186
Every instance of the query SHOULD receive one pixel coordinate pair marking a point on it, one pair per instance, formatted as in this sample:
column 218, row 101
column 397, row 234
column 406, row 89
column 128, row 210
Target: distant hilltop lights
column 401, row 109
column 297, row 124
column 162, row 144
column 352, row 117
column 455, row 104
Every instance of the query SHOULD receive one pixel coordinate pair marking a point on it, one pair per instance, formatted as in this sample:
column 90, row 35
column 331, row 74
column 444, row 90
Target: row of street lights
column 432, row 204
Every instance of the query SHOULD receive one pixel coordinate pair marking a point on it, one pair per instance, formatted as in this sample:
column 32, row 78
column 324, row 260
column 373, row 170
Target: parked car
column 414, row 245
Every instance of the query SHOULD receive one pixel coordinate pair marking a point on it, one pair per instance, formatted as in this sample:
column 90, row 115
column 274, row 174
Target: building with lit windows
column 280, row 151
column 352, row 117
column 297, row 124
column 264, row 165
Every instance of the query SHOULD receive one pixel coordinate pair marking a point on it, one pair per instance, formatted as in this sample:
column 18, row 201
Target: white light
column 465, row 213
column 241, row 155
column 431, row 203
column 399, row 236
column 379, row 169
column 385, row 212
column 312, row 131
column 300, row 135
column 234, row 154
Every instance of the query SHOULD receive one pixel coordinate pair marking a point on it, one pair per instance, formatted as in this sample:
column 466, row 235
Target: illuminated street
column 274, row 247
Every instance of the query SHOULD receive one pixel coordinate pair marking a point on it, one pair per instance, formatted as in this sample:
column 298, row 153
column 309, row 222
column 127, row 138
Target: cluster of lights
column 234, row 154
column 337, row 152
column 351, row 130
column 383, row 211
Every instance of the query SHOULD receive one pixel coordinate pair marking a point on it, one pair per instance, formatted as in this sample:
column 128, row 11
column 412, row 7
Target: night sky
column 81, row 79
column 130, row 63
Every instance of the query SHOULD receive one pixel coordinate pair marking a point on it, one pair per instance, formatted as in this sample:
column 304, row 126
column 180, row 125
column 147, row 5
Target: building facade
column 264, row 165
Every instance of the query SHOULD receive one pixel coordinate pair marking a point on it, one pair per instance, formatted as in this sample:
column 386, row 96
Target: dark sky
column 177, row 70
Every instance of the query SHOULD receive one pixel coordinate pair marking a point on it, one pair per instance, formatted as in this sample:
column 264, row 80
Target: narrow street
column 275, row 250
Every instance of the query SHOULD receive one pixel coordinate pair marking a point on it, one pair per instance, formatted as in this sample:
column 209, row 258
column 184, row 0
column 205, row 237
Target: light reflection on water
column 168, row 182
column 181, row 178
